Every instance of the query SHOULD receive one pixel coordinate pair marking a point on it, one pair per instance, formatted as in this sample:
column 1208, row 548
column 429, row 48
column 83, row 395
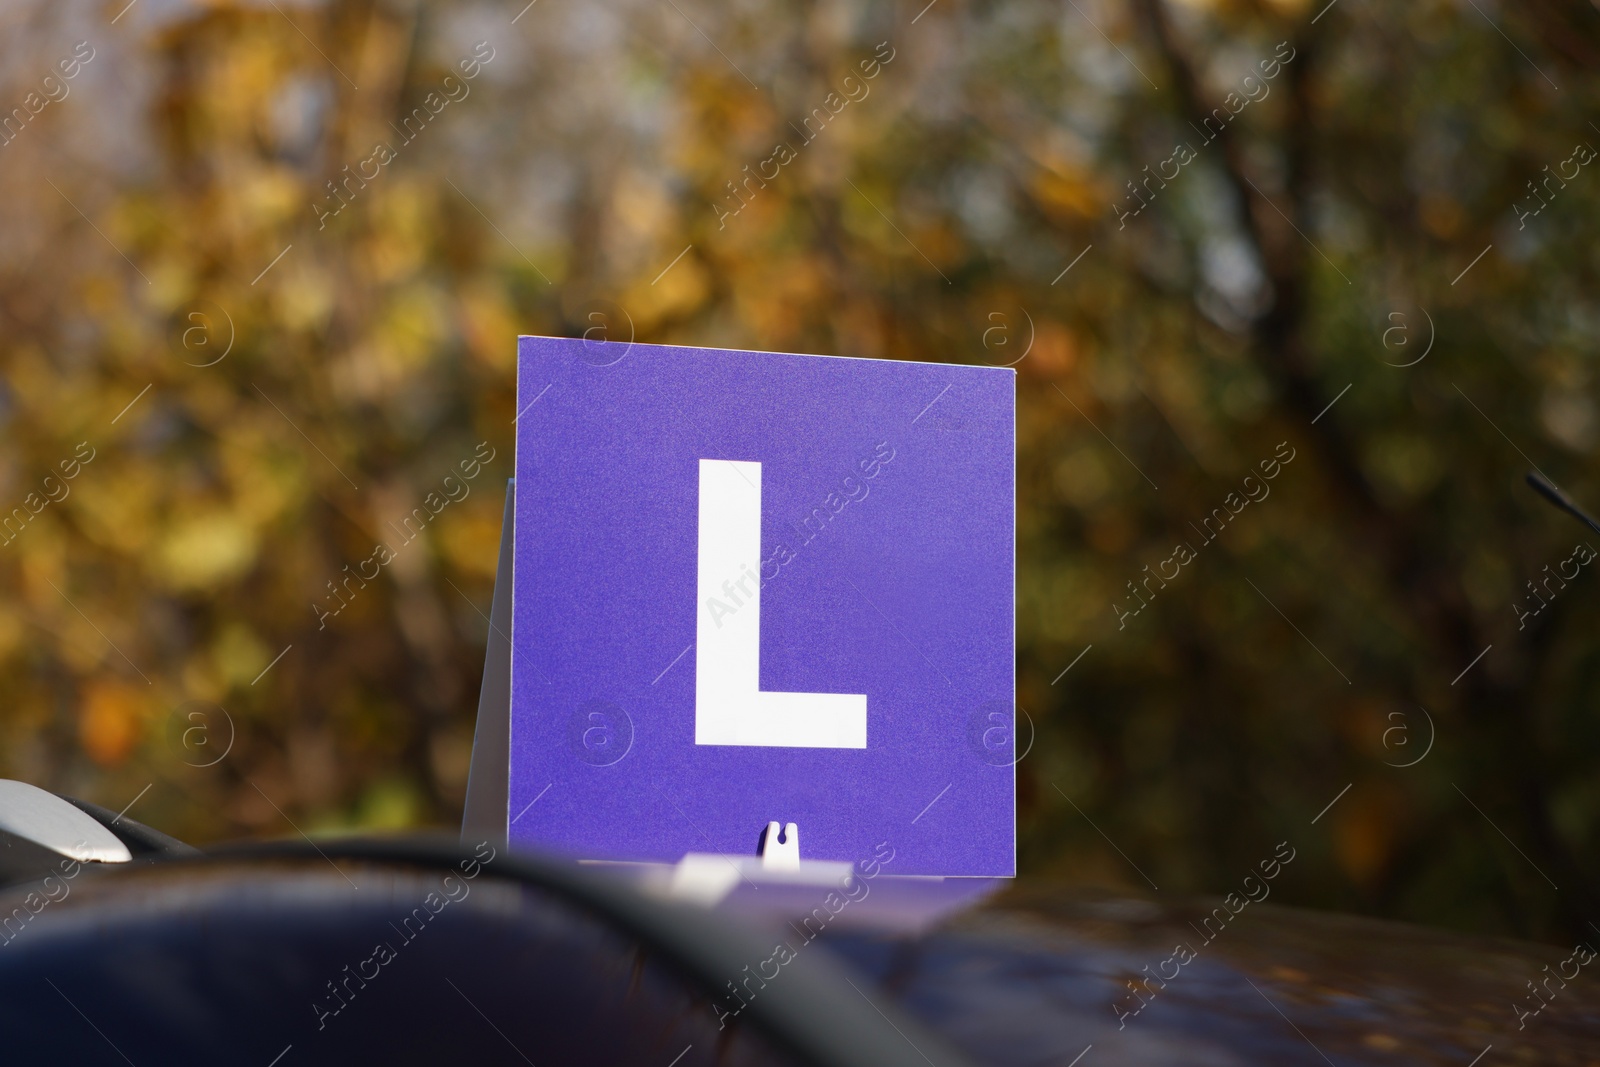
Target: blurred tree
column 1214, row 232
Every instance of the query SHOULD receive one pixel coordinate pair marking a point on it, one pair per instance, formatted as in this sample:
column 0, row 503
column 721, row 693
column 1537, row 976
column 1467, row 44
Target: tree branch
column 1406, row 554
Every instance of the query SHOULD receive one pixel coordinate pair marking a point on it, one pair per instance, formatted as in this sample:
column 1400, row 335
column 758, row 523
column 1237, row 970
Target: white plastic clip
column 781, row 853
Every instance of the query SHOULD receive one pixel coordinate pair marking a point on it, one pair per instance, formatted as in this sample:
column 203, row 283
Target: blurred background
column 240, row 342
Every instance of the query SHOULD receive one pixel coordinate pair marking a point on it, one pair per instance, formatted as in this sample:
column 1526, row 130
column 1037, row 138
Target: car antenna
column 1547, row 489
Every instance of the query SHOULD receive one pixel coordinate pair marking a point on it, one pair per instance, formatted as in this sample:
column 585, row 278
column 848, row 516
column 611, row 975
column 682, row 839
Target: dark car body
column 415, row 952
